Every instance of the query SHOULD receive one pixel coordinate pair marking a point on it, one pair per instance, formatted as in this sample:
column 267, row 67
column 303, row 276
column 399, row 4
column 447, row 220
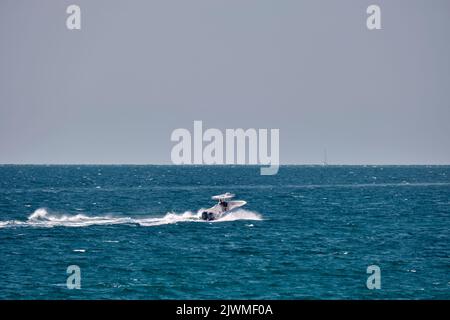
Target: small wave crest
column 43, row 218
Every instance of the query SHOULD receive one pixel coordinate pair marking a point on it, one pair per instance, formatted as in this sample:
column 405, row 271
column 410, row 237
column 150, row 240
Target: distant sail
column 325, row 157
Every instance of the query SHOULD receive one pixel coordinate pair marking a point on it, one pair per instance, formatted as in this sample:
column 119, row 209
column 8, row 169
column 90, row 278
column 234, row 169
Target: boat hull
column 217, row 211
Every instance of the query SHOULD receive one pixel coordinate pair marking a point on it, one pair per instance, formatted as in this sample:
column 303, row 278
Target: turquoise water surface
column 309, row 232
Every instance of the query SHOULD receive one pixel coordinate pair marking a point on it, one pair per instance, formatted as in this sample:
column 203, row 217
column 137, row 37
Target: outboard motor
column 208, row 216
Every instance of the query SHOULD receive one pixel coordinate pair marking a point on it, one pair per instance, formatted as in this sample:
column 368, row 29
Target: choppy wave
column 43, row 218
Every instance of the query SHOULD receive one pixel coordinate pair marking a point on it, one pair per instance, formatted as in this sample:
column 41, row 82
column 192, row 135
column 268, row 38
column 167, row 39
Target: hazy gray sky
column 114, row 91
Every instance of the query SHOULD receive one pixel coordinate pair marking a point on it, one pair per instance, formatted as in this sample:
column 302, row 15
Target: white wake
column 42, row 218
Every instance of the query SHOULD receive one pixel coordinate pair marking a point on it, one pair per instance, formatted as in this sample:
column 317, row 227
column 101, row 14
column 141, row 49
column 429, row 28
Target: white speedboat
column 224, row 206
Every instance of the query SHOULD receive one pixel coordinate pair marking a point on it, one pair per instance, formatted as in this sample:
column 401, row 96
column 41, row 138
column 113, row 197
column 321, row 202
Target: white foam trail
column 42, row 218
column 169, row 218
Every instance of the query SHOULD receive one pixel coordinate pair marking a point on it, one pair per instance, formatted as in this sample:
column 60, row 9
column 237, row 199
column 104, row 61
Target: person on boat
column 223, row 204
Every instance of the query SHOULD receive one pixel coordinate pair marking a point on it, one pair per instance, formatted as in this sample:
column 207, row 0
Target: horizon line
column 223, row 165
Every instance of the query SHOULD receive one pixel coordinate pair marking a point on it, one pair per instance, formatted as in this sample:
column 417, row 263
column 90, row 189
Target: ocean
column 309, row 232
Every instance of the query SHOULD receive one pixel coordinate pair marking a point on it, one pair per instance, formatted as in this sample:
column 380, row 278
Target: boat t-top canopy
column 225, row 196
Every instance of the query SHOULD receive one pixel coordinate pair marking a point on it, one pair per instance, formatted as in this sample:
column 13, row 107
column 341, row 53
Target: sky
column 114, row 91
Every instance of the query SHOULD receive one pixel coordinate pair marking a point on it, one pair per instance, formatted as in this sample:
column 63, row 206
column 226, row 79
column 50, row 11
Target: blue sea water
column 309, row 232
